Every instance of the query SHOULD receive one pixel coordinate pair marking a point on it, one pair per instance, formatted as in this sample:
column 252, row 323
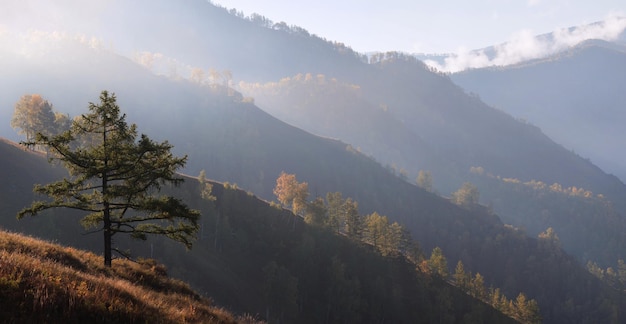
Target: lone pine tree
column 116, row 178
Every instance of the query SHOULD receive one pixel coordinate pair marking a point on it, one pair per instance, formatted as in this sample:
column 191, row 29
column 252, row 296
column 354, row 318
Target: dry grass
column 44, row 282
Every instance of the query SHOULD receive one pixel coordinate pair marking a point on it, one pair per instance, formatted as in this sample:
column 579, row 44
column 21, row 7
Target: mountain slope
column 259, row 259
column 194, row 32
column 575, row 97
column 450, row 142
column 446, row 131
column 44, row 282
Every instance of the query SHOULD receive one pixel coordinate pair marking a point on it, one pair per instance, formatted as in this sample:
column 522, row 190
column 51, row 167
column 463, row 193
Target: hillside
column 194, row 32
column 256, row 241
column 575, row 97
column 340, row 110
column 259, row 259
column 45, row 282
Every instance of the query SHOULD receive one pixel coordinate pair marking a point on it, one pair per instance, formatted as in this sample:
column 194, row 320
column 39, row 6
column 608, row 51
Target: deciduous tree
column 291, row 193
column 424, row 180
column 33, row 115
column 466, row 196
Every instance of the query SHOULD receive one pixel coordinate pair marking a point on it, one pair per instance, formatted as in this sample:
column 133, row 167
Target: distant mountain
column 524, row 47
column 194, row 32
column 575, row 97
column 449, row 142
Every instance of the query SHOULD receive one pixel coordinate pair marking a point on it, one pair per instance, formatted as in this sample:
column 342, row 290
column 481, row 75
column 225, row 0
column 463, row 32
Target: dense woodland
column 412, row 153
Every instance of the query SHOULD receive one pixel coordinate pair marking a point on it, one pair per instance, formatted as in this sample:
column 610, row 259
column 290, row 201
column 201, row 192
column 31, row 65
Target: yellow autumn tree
column 291, row 193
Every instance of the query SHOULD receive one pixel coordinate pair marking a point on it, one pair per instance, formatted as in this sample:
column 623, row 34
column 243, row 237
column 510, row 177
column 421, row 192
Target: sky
column 447, row 26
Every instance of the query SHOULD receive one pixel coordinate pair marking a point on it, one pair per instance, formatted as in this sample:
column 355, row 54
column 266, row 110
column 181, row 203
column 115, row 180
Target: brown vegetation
column 44, row 282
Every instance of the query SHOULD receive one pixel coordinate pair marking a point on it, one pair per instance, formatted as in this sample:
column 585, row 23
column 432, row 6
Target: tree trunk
column 217, row 226
column 107, row 237
column 106, row 217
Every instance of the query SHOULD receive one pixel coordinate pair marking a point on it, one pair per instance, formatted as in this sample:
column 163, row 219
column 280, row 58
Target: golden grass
column 45, row 282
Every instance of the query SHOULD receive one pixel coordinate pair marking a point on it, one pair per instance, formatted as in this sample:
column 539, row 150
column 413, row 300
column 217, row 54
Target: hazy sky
column 428, row 26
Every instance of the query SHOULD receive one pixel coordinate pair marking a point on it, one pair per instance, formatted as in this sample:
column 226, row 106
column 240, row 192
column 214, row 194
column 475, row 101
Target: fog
column 524, row 45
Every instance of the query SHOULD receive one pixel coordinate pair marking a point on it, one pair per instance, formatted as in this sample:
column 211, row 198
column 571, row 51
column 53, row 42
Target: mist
column 524, row 46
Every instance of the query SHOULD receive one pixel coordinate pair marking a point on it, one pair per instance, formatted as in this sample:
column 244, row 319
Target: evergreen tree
column 526, row 311
column 438, row 263
column 387, row 238
column 336, row 213
column 316, row 212
column 354, row 221
column 116, row 179
column 477, row 287
column 375, row 229
column 461, row 278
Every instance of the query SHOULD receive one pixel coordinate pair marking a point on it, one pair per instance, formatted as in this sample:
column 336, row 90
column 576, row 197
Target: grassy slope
column 45, row 282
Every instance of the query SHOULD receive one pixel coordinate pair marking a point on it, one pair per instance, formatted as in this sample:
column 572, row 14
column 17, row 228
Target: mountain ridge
column 564, row 109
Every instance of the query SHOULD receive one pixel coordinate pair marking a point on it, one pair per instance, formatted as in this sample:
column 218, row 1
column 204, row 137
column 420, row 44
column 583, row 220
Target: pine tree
column 316, row 212
column 354, row 222
column 461, row 278
column 438, row 264
column 336, row 214
column 116, row 178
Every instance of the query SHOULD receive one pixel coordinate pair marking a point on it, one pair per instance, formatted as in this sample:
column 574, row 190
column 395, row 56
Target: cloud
column 525, row 46
column 532, row 3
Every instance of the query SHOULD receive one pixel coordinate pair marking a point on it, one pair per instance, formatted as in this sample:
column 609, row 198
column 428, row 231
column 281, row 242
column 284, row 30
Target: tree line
column 391, row 239
column 341, row 215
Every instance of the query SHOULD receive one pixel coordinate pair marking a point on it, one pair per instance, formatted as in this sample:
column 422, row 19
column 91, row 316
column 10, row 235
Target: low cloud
column 525, row 46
